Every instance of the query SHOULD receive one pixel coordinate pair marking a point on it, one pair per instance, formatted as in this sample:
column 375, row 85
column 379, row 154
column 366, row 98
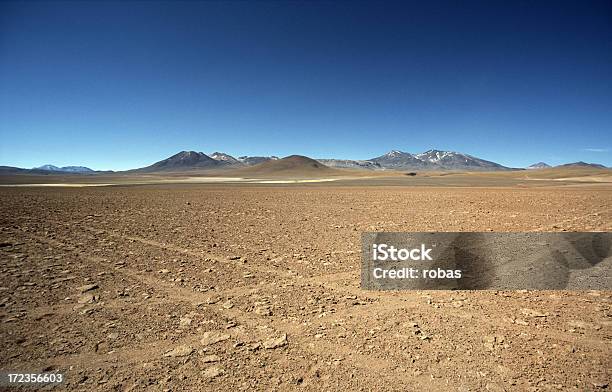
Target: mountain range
column 393, row 160
column 574, row 165
column 192, row 160
column 66, row 169
column 432, row 160
column 435, row 160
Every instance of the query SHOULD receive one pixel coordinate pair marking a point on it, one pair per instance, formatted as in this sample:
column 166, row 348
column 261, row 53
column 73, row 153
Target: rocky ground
column 202, row 287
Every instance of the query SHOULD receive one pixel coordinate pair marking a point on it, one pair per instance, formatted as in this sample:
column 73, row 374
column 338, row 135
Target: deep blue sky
column 121, row 85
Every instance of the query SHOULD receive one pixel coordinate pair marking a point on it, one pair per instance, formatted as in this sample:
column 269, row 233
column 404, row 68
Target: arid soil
column 251, row 287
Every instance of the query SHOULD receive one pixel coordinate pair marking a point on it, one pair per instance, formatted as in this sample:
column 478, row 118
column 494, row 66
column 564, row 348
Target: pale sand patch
column 189, row 180
column 208, row 179
column 294, row 181
column 586, row 179
column 252, row 180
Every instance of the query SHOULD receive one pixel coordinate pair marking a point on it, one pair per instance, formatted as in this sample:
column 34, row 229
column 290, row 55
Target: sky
column 120, row 85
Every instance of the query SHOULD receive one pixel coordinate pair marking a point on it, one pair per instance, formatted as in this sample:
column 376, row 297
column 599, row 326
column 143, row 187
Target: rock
column 213, row 372
column 212, row 337
column 533, row 313
column 492, row 341
column 113, row 335
column 234, row 257
column 87, row 287
column 600, row 385
column 276, row 342
column 489, row 342
column 211, row 358
column 88, row 298
column 185, row 322
column 227, row 305
column 180, row 351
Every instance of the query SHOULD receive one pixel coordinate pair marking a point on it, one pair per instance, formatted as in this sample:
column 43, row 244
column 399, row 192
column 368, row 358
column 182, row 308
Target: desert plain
column 169, row 283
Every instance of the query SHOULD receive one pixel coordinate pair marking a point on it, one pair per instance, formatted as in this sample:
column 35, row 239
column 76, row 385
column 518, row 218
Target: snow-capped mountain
column 225, row 159
column 228, row 160
column 436, row 156
column 539, row 165
column 351, row 164
column 255, row 160
column 434, row 160
column 48, row 168
column 402, row 160
column 65, row 169
column 457, row 161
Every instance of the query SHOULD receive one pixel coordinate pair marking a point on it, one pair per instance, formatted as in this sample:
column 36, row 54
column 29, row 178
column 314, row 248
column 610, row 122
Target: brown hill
column 291, row 166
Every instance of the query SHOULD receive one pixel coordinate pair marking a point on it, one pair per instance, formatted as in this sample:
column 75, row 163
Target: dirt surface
column 220, row 287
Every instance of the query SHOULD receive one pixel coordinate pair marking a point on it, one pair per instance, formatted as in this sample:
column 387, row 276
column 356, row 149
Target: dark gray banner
column 497, row 261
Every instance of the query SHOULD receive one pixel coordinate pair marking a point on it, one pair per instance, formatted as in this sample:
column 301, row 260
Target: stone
column 533, row 313
column 180, row 351
column 87, row 298
column 213, row 372
column 185, row 322
column 212, row 337
column 227, row 305
column 211, row 358
column 276, row 342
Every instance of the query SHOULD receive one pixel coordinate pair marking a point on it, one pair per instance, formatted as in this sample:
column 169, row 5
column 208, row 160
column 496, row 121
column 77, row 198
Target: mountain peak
column 187, row 154
column 184, row 160
column 48, row 167
column 539, row 165
column 435, row 151
column 225, row 159
column 451, row 160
